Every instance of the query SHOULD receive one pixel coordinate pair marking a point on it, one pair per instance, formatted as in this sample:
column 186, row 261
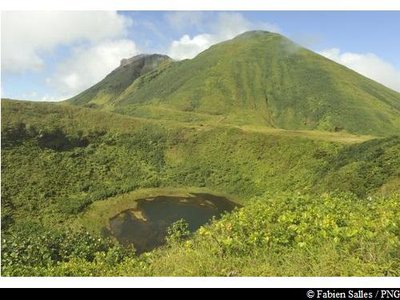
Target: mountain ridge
column 259, row 78
column 119, row 79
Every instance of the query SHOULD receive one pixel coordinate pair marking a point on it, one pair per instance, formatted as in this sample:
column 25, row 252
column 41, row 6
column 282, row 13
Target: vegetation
column 34, row 252
column 285, row 236
column 234, row 121
column 260, row 78
column 86, row 160
column 106, row 91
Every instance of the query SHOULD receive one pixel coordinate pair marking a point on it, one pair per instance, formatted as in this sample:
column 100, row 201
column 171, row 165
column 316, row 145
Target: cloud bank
column 92, row 42
column 88, row 65
column 26, row 37
column 367, row 64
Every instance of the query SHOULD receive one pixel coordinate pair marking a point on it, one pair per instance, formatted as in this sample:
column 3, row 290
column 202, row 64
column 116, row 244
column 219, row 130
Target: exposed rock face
column 127, row 61
column 152, row 59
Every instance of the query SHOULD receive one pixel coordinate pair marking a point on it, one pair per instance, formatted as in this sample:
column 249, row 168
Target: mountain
column 111, row 87
column 219, row 125
column 258, row 78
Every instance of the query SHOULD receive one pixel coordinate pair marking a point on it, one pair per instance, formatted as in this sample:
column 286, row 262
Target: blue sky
column 55, row 55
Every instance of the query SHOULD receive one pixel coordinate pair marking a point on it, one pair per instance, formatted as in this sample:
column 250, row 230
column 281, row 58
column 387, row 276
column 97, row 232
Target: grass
column 309, row 148
column 263, row 79
column 98, row 155
column 340, row 137
column 64, row 167
column 296, row 236
column 106, row 91
column 279, row 236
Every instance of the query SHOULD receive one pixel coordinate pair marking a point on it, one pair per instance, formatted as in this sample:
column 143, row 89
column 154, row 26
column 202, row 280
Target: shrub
column 25, row 252
column 178, row 231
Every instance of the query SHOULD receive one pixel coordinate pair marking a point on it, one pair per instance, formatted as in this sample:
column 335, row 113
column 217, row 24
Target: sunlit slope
column 265, row 79
column 106, row 91
column 57, row 159
column 312, row 198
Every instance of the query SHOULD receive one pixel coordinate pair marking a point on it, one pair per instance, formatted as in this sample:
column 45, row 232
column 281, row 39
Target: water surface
column 146, row 225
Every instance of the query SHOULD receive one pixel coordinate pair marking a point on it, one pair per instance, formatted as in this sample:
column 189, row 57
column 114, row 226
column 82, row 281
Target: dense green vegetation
column 282, row 236
column 234, row 121
column 58, row 159
column 34, row 250
column 258, row 78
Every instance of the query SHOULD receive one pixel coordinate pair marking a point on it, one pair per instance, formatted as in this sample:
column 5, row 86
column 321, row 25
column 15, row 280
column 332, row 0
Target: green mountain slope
column 68, row 157
column 247, row 119
column 59, row 161
column 262, row 78
column 107, row 90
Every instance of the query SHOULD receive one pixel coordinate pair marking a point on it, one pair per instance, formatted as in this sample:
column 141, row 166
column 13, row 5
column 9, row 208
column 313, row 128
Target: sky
column 51, row 56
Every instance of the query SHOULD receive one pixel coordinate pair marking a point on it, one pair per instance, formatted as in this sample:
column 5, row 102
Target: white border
column 151, row 282
column 202, row 282
column 200, row 5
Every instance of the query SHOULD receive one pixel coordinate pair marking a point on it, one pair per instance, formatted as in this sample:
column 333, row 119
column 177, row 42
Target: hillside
column 257, row 78
column 303, row 151
column 69, row 157
column 110, row 88
column 60, row 161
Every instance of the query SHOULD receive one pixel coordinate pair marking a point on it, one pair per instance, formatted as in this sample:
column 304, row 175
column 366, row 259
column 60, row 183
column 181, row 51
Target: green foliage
column 304, row 221
column 311, row 198
column 178, row 231
column 257, row 78
column 14, row 134
column 281, row 235
column 362, row 238
column 362, row 168
column 28, row 252
column 294, row 236
column 123, row 155
column 300, row 235
column 57, row 140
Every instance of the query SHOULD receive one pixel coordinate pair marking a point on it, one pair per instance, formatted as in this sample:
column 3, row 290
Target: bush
column 57, row 140
column 178, row 231
column 292, row 235
column 25, row 252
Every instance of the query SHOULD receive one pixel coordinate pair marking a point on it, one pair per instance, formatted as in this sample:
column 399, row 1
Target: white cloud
column 367, row 64
column 26, row 37
column 226, row 26
column 229, row 25
column 88, row 65
column 187, row 47
column 47, row 98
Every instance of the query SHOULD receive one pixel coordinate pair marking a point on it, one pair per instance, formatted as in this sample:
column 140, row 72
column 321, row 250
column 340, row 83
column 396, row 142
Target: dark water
column 145, row 226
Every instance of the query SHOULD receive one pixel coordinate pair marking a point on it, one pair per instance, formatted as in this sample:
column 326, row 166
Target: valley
column 307, row 150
